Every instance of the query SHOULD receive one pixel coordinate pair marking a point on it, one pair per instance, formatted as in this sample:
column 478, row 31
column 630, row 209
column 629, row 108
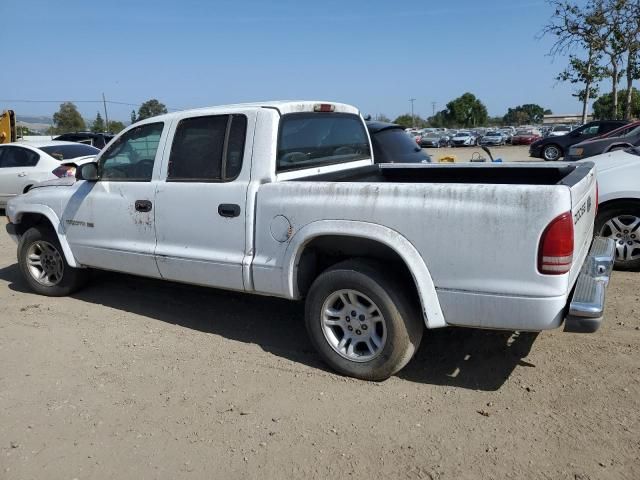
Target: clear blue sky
column 192, row 53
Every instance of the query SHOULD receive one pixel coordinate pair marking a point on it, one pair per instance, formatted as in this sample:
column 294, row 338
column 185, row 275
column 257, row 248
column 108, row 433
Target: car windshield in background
column 67, row 152
column 562, row 129
column 494, row 134
column 315, row 139
column 392, row 145
column 633, row 132
column 524, row 132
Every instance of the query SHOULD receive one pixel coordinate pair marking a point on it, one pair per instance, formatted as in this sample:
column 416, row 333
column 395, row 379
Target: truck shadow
column 464, row 358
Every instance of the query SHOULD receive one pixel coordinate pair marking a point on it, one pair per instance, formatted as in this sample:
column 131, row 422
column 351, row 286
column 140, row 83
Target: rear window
column 393, row 145
column 316, row 139
column 66, row 152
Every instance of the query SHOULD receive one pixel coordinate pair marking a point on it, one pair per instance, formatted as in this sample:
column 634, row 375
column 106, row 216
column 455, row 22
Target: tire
column 39, row 251
column 385, row 332
column 621, row 222
column 552, row 152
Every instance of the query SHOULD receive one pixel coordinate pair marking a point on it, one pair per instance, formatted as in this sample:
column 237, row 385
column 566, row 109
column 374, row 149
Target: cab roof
column 282, row 106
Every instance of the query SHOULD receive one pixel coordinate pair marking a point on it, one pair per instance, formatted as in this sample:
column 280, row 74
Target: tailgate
column 582, row 183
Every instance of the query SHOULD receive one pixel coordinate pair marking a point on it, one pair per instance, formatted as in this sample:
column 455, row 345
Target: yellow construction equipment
column 7, row 127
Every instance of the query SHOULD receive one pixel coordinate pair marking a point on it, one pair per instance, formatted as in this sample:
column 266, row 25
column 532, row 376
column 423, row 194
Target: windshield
column 561, row 129
column 463, row 134
column 494, row 134
column 66, row 152
column 392, row 145
column 633, row 132
column 523, row 132
column 316, row 139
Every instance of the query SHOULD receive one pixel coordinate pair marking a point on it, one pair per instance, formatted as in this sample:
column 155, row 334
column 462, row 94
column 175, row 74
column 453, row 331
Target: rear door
column 16, row 164
column 201, row 216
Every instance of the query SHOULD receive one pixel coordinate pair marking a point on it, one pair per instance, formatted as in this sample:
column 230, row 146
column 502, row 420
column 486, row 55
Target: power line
column 80, row 101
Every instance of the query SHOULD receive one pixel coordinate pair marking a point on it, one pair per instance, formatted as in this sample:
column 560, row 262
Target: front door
column 110, row 223
column 201, row 199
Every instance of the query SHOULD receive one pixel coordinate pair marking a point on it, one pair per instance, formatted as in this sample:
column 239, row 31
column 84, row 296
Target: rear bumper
column 586, row 307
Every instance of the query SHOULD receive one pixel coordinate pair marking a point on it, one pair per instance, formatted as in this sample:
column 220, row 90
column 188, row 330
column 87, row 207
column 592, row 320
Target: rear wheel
column 622, row 224
column 44, row 266
column 361, row 321
column 551, row 153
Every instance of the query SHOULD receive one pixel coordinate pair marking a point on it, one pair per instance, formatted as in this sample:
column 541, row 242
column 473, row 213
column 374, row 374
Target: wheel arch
column 382, row 243
column 43, row 215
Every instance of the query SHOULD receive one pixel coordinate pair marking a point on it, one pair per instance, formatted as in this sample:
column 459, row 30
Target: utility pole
column 106, row 116
column 433, row 108
column 413, row 117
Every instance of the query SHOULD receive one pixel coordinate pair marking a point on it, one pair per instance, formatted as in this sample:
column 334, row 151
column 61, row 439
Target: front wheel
column 551, row 153
column 44, row 266
column 622, row 224
column 361, row 322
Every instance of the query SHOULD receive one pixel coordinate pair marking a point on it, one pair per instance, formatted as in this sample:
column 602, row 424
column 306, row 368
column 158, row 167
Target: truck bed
column 490, row 174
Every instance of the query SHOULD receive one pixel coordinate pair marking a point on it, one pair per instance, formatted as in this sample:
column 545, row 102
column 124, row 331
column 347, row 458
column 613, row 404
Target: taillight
column 555, row 255
column 65, row 171
column 597, row 198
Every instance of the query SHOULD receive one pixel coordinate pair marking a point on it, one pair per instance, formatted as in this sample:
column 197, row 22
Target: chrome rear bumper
column 586, row 307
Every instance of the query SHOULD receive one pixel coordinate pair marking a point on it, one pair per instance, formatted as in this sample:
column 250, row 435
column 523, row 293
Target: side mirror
column 88, row 172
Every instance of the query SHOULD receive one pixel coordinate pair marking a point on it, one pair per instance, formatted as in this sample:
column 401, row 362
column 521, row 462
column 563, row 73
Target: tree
column 529, row 113
column 98, row 124
column 465, row 111
column 603, row 108
column 115, row 126
column 406, row 120
column 584, row 72
column 68, row 119
column 133, row 117
column 576, row 27
column 151, row 108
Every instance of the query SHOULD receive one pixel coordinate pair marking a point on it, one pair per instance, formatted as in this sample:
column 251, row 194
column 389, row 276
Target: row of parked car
column 437, row 138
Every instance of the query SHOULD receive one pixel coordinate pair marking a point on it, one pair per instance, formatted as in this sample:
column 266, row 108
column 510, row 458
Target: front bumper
column 586, row 307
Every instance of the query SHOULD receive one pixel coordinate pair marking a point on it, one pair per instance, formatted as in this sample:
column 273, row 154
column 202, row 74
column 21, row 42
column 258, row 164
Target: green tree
column 465, row 111
column 603, row 108
column 68, row 119
column 98, row 124
column 151, row 108
column 529, row 113
column 115, row 126
column 133, row 116
column 407, row 121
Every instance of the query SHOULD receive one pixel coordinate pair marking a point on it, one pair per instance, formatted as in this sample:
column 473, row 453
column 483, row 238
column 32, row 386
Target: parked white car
column 619, row 203
column 284, row 199
column 23, row 164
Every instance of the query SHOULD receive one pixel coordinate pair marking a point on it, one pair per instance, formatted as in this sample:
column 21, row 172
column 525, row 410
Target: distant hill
column 35, row 119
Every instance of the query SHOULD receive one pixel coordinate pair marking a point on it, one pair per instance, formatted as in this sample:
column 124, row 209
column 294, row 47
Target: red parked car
column 525, row 137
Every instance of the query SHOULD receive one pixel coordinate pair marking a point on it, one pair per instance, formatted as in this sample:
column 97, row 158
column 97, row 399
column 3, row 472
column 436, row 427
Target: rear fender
column 432, row 312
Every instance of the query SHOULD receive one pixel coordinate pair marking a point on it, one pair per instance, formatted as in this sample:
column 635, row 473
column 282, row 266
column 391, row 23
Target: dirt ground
column 140, row 379
column 508, row 153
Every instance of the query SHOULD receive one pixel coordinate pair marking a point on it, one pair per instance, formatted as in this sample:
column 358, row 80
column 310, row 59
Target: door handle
column 229, row 210
column 143, row 205
column 22, row 174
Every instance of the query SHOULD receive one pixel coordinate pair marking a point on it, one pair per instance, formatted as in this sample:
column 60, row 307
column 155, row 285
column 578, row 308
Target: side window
column 14, row 157
column 207, row 149
column 592, row 130
column 132, row 157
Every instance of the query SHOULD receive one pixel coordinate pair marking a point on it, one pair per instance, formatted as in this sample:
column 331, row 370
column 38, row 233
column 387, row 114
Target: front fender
column 15, row 215
column 432, row 312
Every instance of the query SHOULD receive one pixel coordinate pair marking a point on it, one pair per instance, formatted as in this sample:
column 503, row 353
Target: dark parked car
column 391, row 144
column 619, row 139
column 98, row 140
column 552, row 148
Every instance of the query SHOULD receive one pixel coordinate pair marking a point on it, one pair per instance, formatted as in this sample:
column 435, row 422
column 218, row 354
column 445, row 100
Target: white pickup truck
column 284, row 199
